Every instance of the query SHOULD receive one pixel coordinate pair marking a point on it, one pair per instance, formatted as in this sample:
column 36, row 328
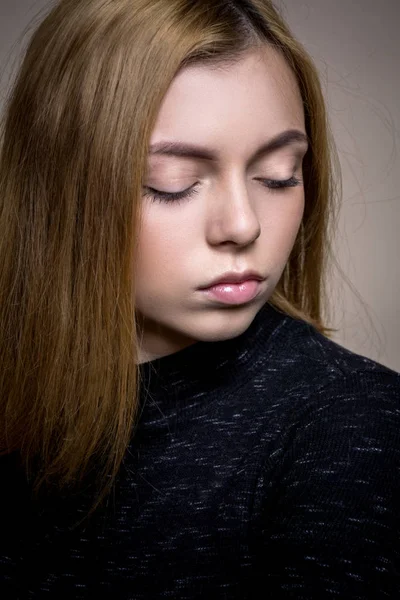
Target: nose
column 233, row 217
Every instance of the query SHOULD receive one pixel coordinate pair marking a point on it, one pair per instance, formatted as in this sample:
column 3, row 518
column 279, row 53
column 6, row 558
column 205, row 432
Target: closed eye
column 277, row 184
column 161, row 196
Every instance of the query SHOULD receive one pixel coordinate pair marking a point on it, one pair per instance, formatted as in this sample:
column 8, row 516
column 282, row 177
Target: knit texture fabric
column 264, row 466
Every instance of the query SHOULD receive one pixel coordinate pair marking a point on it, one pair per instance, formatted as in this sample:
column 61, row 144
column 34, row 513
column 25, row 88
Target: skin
column 233, row 222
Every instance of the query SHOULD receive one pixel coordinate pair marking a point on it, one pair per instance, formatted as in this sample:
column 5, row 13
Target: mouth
column 234, row 293
column 233, row 278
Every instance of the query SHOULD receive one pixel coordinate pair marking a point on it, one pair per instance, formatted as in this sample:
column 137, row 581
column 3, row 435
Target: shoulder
column 339, row 428
column 330, row 397
column 319, row 365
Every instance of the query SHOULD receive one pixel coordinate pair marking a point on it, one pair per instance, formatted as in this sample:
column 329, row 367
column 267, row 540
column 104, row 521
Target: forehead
column 257, row 96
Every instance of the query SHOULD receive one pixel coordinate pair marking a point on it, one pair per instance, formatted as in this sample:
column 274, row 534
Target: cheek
column 294, row 219
column 284, row 221
column 161, row 244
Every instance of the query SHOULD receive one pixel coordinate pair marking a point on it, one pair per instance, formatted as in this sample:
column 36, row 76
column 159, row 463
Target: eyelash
column 274, row 185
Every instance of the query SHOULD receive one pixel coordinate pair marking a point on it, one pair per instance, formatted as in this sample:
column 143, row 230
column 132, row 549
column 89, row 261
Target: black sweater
column 265, row 466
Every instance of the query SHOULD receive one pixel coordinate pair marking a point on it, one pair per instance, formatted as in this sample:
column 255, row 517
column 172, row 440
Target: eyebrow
column 181, row 150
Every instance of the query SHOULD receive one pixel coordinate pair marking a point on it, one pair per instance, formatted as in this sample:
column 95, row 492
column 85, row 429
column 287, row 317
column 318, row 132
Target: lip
column 233, row 277
column 234, row 293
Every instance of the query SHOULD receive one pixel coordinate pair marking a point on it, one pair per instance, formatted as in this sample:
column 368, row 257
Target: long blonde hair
column 74, row 142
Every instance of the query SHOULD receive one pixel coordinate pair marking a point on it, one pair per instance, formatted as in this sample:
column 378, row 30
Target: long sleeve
column 333, row 527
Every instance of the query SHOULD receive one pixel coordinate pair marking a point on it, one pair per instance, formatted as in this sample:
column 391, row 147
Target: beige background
column 355, row 46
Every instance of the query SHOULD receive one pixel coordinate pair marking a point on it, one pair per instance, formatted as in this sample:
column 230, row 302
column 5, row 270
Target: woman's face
column 232, row 221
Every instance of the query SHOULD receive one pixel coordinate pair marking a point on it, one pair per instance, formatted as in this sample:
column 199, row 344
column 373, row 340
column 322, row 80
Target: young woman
column 175, row 420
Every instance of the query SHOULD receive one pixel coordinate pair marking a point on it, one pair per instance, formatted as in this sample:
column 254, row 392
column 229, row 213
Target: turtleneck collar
column 208, row 368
